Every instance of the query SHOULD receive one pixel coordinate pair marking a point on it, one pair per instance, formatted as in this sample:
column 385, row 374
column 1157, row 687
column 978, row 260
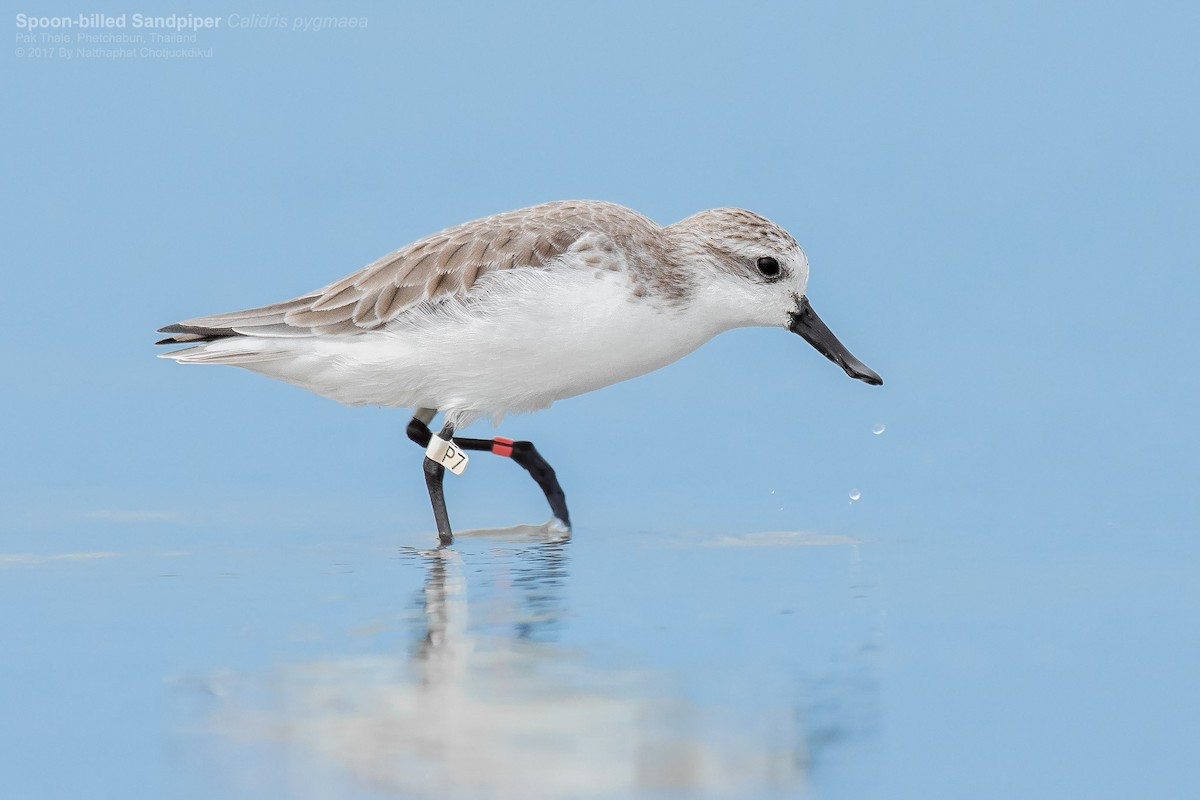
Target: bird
column 511, row 312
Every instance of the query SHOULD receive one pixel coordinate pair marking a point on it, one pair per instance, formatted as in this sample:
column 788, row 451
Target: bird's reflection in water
column 496, row 709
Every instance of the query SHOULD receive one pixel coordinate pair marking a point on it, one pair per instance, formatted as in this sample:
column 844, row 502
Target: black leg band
column 419, row 432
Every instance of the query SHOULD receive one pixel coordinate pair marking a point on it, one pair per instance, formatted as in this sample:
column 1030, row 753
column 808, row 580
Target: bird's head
column 755, row 273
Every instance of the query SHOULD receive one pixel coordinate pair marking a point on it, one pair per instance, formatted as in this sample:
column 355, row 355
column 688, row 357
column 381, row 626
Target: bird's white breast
column 525, row 338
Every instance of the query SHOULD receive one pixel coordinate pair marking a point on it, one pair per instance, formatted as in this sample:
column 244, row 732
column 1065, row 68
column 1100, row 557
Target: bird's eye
column 768, row 266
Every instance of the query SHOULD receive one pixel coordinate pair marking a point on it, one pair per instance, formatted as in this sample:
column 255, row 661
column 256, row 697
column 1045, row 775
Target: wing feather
column 442, row 267
column 337, row 299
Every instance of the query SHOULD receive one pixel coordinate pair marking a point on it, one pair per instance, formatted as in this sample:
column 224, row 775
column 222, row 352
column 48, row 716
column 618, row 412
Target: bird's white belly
column 531, row 337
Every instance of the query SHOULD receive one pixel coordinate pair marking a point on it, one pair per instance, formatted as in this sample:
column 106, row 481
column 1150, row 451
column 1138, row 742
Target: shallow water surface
column 517, row 662
column 158, row 660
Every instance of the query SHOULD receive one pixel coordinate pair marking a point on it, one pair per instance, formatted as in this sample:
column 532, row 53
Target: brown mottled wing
column 442, row 266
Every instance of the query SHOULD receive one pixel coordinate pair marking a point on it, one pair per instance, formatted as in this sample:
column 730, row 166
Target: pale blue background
column 1000, row 206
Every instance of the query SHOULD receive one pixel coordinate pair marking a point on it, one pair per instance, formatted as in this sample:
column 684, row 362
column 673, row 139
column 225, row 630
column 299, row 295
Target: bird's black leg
column 524, row 453
column 434, row 472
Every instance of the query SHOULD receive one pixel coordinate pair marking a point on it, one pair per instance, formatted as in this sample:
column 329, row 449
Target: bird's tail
column 239, row 337
column 224, row 351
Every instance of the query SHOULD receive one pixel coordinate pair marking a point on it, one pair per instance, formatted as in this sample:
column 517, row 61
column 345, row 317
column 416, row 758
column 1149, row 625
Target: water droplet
column 854, row 495
column 878, row 428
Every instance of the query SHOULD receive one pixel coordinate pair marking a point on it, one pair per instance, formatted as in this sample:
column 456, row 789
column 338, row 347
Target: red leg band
column 502, row 446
